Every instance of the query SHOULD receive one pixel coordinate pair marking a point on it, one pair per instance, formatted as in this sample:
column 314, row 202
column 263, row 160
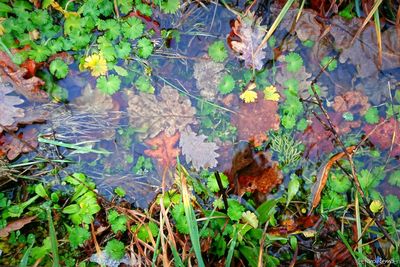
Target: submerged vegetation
column 151, row 133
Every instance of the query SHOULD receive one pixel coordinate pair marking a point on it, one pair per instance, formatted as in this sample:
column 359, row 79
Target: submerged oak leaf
column 208, row 75
column 8, row 111
column 385, row 136
column 245, row 38
column 196, row 150
column 168, row 112
column 163, row 149
column 253, row 120
column 13, row 146
column 351, row 101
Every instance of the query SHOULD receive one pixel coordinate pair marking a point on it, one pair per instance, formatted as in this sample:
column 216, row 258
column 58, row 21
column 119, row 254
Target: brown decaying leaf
column 385, row 136
column 246, row 35
column 322, row 178
column 30, row 88
column 253, row 120
column 253, row 172
column 16, row 225
column 163, row 149
column 351, row 101
column 168, row 113
column 8, row 110
column 208, row 75
column 196, row 150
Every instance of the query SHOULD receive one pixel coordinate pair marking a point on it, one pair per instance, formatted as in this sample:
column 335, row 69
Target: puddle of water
column 188, row 105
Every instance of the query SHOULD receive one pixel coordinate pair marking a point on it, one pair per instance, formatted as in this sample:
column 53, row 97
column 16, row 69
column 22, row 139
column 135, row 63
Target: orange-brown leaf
column 253, row 120
column 322, row 178
column 164, row 150
column 15, row 225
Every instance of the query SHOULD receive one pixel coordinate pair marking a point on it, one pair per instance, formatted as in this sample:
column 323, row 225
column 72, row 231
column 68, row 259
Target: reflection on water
column 139, row 127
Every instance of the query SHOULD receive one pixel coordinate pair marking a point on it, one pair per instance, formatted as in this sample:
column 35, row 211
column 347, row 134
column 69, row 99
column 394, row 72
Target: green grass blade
column 53, row 239
column 25, row 258
column 177, row 259
column 192, row 223
column 231, row 248
column 276, row 23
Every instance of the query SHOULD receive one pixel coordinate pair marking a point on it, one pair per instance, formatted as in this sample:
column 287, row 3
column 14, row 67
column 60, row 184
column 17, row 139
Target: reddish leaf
column 386, row 135
column 322, row 178
column 336, row 256
column 253, row 120
column 22, row 143
column 253, row 172
column 16, row 225
column 31, row 67
column 164, row 149
column 30, row 88
column 351, row 101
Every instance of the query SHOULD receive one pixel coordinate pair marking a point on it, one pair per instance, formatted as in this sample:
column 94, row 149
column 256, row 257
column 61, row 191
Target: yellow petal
column 271, row 94
column 376, row 206
column 248, row 96
column 97, row 64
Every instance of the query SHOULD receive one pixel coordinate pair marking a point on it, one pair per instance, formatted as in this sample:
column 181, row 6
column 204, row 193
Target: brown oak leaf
column 13, row 146
column 245, row 37
column 253, row 120
column 8, row 111
column 383, row 135
column 201, row 153
column 253, row 172
column 30, row 88
column 351, row 101
column 163, row 149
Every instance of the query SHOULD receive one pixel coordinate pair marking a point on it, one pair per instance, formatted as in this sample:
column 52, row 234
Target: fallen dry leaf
column 196, row 150
column 322, row 178
column 245, row 37
column 385, row 136
column 30, row 88
column 163, row 149
column 253, row 172
column 16, row 225
column 13, row 146
column 169, row 112
column 351, row 101
column 8, row 102
column 253, row 120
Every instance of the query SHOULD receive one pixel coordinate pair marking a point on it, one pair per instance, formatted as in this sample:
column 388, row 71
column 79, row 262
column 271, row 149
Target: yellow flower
column 376, row 206
column 271, row 94
column 248, row 96
column 97, row 64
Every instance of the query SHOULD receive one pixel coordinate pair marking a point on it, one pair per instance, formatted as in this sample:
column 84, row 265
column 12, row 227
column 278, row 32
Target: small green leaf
column 227, row 84
column 250, row 218
column 143, row 84
column 145, row 47
column 348, row 116
column 294, row 62
column 293, row 188
column 392, row 203
column 217, row 51
column 212, row 183
column 120, row 71
column 120, row 191
column 77, row 236
column 372, row 115
column 40, row 191
column 59, row 68
column 108, row 86
column 71, row 209
column 394, row 178
column 170, row 6
column 235, row 210
column 328, row 60
column 115, row 249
